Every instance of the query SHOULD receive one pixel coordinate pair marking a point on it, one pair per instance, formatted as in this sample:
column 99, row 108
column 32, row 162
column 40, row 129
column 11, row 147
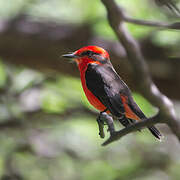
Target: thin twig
column 163, row 25
column 170, row 4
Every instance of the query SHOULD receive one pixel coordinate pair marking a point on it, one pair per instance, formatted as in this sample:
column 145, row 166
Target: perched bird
column 105, row 89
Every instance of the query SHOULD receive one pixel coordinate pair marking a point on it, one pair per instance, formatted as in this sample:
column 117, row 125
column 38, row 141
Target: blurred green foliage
column 79, row 11
column 2, row 74
column 51, row 145
column 69, row 147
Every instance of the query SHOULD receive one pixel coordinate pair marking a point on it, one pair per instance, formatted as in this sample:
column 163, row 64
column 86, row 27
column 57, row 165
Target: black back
column 106, row 85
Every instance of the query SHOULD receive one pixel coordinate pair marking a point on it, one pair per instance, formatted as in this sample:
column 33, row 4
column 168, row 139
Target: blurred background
column 47, row 128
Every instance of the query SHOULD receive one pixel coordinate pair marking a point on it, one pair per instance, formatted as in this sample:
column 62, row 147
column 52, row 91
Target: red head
column 89, row 54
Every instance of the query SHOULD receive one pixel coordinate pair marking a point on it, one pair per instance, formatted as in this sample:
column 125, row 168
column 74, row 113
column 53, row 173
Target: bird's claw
column 101, row 127
column 105, row 119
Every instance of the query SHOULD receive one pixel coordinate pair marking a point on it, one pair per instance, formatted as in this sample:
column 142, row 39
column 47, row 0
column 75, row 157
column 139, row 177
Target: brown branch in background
column 44, row 42
column 164, row 25
column 170, row 4
column 140, row 72
column 12, row 123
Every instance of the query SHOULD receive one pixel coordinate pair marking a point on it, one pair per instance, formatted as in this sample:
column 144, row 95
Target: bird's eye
column 87, row 53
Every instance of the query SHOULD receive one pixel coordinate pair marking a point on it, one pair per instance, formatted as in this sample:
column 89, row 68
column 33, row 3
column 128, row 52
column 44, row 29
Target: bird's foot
column 103, row 119
column 101, row 126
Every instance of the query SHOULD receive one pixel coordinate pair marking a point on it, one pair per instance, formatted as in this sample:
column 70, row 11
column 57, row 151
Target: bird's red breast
column 94, row 101
column 83, row 63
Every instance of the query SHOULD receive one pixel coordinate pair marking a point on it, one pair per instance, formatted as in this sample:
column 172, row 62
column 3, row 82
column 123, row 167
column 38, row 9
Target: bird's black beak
column 70, row 56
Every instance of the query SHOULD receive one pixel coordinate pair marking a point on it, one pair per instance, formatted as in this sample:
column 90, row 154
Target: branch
column 165, row 25
column 170, row 4
column 140, row 69
column 132, row 128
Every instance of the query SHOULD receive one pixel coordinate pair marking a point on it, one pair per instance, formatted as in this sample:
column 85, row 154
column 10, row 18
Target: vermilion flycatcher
column 104, row 88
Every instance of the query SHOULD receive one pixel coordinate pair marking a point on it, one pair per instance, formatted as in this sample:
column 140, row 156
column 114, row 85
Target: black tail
column 155, row 132
column 126, row 122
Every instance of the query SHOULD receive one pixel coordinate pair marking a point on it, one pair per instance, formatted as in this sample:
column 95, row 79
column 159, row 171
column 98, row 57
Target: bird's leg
column 101, row 124
column 124, row 121
column 109, row 121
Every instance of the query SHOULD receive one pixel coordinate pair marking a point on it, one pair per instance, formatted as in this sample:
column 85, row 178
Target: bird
column 104, row 88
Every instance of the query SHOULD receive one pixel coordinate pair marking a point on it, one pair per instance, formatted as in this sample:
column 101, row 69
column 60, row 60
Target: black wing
column 106, row 85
